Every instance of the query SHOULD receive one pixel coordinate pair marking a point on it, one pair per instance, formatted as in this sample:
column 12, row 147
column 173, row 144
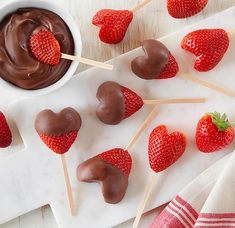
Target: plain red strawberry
column 45, row 47
column 113, row 24
column 208, row 45
column 59, row 144
column 185, row 8
column 5, row 132
column 118, row 158
column 133, row 102
column 164, row 148
column 170, row 70
column 213, row 132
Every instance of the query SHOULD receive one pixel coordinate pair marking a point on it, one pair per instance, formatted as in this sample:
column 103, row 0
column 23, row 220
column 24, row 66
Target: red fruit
column 185, row 8
column 170, row 70
column 118, row 158
column 133, row 102
column 5, row 132
column 113, row 24
column 165, row 149
column 208, row 45
column 213, row 132
column 59, row 144
column 45, row 47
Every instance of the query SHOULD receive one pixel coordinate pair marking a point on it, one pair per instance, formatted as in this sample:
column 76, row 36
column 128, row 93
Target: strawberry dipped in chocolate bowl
column 18, row 65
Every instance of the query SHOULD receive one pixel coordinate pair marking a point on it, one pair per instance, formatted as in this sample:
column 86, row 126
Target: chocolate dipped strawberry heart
column 58, row 130
column 113, row 24
column 111, row 170
column 165, row 149
column 153, row 62
column 116, row 103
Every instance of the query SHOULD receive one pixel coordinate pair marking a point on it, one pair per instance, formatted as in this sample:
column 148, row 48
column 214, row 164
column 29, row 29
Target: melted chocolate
column 17, row 65
column 155, row 59
column 113, row 182
column 49, row 123
column 111, row 109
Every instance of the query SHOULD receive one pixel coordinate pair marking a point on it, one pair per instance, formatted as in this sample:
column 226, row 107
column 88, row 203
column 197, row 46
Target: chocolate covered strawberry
column 116, row 103
column 165, row 148
column 111, row 170
column 185, row 8
column 58, row 130
column 5, row 132
column 214, row 132
column 208, row 45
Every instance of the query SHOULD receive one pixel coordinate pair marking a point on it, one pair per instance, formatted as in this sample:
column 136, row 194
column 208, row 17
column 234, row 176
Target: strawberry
column 113, row 24
column 45, row 47
column 133, row 102
column 170, row 70
column 185, row 8
column 208, row 45
column 59, row 144
column 118, row 158
column 165, row 149
column 5, row 132
column 213, row 132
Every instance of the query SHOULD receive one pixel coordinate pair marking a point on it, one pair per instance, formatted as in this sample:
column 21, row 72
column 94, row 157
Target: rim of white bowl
column 13, row 5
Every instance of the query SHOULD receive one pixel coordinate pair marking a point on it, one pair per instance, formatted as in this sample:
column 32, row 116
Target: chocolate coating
column 17, row 65
column 155, row 59
column 49, row 123
column 111, row 109
column 113, row 182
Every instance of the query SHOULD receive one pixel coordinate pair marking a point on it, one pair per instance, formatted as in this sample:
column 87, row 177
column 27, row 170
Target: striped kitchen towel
column 208, row 201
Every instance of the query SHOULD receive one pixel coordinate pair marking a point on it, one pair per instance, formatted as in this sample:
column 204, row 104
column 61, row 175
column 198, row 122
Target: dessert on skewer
column 58, row 131
column 154, row 64
column 46, row 48
column 118, row 102
column 164, row 150
column 114, row 23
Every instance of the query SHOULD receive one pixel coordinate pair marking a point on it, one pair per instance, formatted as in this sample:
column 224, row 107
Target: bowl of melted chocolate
column 20, row 72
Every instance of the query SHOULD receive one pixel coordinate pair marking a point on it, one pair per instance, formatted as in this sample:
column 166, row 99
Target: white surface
column 39, row 176
column 152, row 21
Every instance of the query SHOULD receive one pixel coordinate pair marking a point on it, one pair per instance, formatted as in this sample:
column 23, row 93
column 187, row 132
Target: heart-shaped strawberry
column 208, row 45
column 111, row 170
column 151, row 65
column 58, row 130
column 116, row 102
column 164, row 148
column 113, row 24
column 185, row 8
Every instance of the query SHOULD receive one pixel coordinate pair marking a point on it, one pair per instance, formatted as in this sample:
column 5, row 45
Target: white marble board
column 33, row 177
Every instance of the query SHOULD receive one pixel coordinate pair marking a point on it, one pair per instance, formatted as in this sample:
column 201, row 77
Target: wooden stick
column 145, row 124
column 209, row 85
column 87, row 61
column 144, row 201
column 175, row 101
column 72, row 204
column 139, row 6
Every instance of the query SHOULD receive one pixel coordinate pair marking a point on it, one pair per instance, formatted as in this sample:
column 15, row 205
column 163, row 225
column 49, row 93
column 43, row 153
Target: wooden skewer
column 208, row 84
column 175, row 101
column 87, row 61
column 71, row 200
column 145, row 124
column 139, row 6
column 144, row 201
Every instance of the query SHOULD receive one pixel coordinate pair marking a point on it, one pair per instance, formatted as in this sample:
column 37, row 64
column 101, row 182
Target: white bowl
column 10, row 6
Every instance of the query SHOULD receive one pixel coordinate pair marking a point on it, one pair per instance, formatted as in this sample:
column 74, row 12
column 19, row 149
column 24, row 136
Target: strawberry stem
column 221, row 121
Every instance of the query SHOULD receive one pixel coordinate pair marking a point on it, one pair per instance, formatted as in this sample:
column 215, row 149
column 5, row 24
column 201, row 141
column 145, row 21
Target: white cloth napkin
column 208, row 201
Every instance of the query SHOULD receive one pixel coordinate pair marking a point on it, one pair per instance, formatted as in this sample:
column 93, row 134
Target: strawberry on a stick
column 118, row 102
column 46, row 48
column 164, row 150
column 114, row 23
column 58, row 131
